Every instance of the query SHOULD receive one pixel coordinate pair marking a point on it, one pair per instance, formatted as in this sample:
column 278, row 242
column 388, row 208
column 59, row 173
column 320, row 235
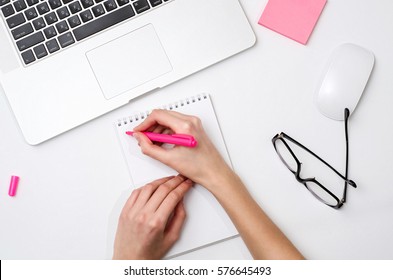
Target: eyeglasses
column 291, row 161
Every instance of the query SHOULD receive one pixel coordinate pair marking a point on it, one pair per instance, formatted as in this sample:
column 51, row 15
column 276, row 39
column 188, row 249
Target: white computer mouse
column 344, row 79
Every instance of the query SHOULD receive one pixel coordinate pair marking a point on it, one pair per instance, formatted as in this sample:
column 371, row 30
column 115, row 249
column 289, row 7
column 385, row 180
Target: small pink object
column 13, row 185
column 294, row 19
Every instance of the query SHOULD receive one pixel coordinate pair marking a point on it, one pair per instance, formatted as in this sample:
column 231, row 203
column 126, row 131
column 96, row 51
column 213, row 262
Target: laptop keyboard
column 43, row 27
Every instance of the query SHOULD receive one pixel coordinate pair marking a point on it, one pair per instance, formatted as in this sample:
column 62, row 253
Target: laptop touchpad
column 129, row 61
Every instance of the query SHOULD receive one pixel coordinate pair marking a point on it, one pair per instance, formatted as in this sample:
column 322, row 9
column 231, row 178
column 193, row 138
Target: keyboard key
column 50, row 32
column 67, row 1
column 154, row 3
column 3, row 2
column 31, row 13
column 87, row 3
column 32, row 2
column 30, row 41
column 39, row 23
column 74, row 21
column 63, row 12
column 8, row 10
column 52, row 46
column 75, row 7
column 40, row 51
column 141, row 6
column 28, row 57
column 62, row 26
column 54, row 4
column 43, row 8
column 15, row 20
column 22, row 31
column 86, row 16
column 110, row 5
column 122, row 2
column 51, row 18
column 66, row 39
column 98, row 10
column 103, row 22
column 20, row 5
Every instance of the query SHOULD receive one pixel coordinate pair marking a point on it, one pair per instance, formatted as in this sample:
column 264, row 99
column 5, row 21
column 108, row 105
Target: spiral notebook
column 206, row 221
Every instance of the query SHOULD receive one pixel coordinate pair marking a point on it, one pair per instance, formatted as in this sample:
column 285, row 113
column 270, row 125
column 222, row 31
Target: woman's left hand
column 151, row 220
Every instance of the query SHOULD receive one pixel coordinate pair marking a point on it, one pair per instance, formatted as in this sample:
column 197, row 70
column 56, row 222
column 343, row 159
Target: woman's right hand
column 203, row 164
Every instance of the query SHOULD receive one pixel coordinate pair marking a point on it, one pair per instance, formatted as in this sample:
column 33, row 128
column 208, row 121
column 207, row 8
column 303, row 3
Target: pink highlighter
column 176, row 139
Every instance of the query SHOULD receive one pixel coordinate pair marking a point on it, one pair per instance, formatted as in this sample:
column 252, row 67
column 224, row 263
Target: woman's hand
column 151, row 219
column 202, row 164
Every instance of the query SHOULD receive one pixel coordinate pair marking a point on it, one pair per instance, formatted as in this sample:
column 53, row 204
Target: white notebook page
column 206, row 220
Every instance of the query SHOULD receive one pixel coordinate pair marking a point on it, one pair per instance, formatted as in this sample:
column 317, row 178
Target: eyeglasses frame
column 340, row 202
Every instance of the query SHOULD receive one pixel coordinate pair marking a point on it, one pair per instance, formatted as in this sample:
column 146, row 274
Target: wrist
column 222, row 182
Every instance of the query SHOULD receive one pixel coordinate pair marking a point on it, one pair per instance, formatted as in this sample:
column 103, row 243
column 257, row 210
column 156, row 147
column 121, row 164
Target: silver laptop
column 65, row 62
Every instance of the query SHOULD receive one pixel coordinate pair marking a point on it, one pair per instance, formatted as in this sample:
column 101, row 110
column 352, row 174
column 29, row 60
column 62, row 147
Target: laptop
column 65, row 62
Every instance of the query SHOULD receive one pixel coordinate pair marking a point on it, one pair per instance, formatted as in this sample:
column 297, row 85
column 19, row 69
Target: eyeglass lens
column 311, row 167
column 320, row 193
column 285, row 155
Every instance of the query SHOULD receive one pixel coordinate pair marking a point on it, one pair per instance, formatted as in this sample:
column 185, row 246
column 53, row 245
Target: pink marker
column 13, row 185
column 176, row 139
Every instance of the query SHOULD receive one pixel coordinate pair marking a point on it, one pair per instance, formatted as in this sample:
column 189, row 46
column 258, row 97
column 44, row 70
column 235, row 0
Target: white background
column 66, row 204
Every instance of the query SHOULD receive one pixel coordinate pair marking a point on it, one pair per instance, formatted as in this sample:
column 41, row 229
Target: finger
column 148, row 148
column 153, row 128
column 162, row 191
column 173, row 229
column 146, row 192
column 167, row 131
column 162, row 117
column 159, row 129
column 172, row 199
column 186, row 123
column 131, row 199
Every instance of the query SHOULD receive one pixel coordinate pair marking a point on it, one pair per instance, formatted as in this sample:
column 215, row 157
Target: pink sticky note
column 294, row 19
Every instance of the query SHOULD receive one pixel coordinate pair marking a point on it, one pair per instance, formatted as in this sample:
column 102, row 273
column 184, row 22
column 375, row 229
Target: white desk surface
column 70, row 185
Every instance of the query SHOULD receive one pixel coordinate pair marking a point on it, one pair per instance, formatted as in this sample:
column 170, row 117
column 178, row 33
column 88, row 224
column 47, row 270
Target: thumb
column 149, row 149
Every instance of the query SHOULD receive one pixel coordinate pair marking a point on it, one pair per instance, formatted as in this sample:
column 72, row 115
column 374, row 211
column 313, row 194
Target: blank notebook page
column 206, row 220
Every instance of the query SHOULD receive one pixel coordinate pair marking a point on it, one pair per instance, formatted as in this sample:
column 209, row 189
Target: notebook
column 206, row 221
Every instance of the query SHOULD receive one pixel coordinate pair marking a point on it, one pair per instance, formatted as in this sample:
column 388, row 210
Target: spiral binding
column 170, row 106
